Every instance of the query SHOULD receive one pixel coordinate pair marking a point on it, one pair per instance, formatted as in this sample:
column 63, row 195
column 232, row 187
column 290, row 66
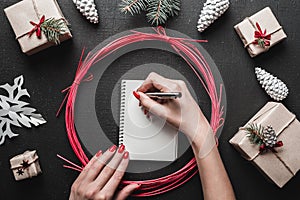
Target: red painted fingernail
column 98, row 153
column 137, row 95
column 126, row 155
column 113, row 148
column 138, row 186
column 121, row 148
column 145, row 111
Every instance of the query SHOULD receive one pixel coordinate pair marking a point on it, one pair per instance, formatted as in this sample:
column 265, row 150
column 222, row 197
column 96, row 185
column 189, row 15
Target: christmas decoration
column 88, row 9
column 271, row 125
column 37, row 24
column 123, row 43
column 14, row 111
column 211, row 11
column 274, row 87
column 262, row 39
column 52, row 28
column 25, row 165
column 260, row 32
column 158, row 11
column 264, row 137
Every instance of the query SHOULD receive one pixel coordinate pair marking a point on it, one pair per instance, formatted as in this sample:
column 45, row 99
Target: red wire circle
column 193, row 57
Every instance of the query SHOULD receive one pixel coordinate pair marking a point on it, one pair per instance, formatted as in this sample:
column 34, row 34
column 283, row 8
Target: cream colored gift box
column 20, row 15
column 267, row 21
column 25, row 165
column 280, row 167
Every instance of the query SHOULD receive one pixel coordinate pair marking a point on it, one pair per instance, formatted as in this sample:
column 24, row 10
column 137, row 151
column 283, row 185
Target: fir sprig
column 158, row 11
column 53, row 29
column 255, row 133
column 133, row 6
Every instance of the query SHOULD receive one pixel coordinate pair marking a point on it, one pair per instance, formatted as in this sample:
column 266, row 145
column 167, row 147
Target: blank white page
column 145, row 138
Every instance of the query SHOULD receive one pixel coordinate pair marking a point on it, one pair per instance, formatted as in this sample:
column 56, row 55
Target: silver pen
column 164, row 95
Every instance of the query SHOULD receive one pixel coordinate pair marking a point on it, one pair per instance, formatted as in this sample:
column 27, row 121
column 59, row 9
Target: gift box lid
column 28, row 156
column 20, row 15
column 274, row 114
column 267, row 21
column 283, row 165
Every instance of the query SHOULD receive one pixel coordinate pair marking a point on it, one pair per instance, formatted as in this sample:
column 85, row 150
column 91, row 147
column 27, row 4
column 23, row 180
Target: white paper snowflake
column 15, row 112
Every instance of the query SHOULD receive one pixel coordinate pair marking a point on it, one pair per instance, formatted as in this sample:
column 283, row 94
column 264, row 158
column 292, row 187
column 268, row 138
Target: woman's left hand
column 100, row 178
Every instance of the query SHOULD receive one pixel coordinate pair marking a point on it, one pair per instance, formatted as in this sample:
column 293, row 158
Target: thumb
column 152, row 106
column 126, row 191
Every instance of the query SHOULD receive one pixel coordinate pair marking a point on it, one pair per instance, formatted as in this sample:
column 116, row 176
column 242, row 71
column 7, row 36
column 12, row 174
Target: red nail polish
column 145, row 111
column 121, row 148
column 98, row 153
column 126, row 155
column 138, row 186
column 136, row 95
column 113, row 148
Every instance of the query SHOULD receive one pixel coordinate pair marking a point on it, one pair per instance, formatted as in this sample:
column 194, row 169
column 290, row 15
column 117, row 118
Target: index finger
column 155, row 81
column 116, row 178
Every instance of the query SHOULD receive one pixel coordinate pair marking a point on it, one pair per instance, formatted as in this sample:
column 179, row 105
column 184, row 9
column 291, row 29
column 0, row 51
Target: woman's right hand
column 183, row 113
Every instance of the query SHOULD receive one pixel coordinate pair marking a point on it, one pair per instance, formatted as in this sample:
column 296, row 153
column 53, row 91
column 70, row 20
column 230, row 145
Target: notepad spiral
column 122, row 111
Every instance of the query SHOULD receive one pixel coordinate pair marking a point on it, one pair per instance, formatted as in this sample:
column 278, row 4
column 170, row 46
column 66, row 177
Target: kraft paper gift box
column 20, row 15
column 266, row 21
column 280, row 167
column 25, row 165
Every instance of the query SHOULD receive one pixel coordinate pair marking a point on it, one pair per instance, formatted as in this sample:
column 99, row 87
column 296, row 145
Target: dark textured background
column 53, row 69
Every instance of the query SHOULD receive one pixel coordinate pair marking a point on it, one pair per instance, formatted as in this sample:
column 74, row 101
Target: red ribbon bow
column 262, row 39
column 263, row 147
column 37, row 27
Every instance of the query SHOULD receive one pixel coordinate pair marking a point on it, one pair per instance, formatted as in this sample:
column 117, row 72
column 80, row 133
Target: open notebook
column 145, row 138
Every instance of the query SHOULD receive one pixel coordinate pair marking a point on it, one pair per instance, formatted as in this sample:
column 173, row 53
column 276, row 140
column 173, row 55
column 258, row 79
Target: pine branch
column 255, row 133
column 160, row 10
column 133, row 6
column 174, row 7
column 53, row 29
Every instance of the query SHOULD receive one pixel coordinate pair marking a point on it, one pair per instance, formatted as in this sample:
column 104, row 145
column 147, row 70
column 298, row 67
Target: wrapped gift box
column 25, row 165
column 266, row 21
column 20, row 15
column 280, row 167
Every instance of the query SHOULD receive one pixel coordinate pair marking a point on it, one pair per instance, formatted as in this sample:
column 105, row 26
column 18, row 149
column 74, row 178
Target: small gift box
column 25, row 165
column 278, row 153
column 38, row 24
column 260, row 32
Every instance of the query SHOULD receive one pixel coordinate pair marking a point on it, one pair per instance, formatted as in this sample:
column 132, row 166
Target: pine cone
column 269, row 137
column 211, row 11
column 274, row 87
column 87, row 9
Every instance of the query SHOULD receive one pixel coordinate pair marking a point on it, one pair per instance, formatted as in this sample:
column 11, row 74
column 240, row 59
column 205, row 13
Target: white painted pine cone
column 274, row 87
column 211, row 11
column 87, row 9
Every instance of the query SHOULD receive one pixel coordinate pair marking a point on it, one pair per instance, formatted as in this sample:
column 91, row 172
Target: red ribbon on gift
column 262, row 39
column 37, row 27
column 263, row 147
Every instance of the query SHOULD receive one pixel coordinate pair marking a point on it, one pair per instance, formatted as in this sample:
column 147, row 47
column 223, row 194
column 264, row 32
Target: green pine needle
column 261, row 42
column 133, row 6
column 158, row 11
column 255, row 133
column 174, row 7
column 53, row 29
